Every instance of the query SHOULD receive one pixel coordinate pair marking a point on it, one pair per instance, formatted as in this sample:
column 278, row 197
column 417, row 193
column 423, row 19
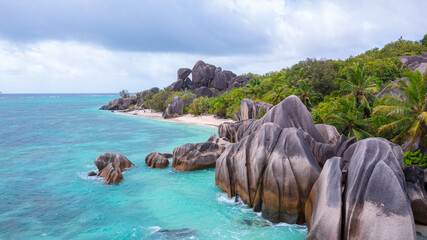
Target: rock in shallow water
column 111, row 165
column 189, row 157
column 272, row 170
column 156, row 160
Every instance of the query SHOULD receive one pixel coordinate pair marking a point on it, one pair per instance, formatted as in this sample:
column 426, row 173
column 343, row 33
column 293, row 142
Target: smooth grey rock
column 414, row 177
column 376, row 203
column 324, row 205
column 119, row 104
column 156, row 160
column 415, row 62
column 329, row 133
column 250, row 109
column 202, row 91
column 291, row 112
column 177, row 86
column 183, row 73
column 189, row 157
column 271, row 170
column 153, row 91
column 228, row 130
column 203, row 74
column 91, row 173
column 175, row 108
column 222, row 79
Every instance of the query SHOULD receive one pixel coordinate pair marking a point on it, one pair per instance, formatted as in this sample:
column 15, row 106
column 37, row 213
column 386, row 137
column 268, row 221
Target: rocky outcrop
column 376, row 205
column 323, row 209
column 291, row 112
column 250, row 109
column 271, row 170
column 228, row 130
column 189, row 157
column 416, row 62
column 111, row 165
column 222, row 79
column 183, row 73
column 414, row 176
column 175, row 108
column 202, row 91
column 203, row 74
column 119, row 104
column 156, row 160
column 329, row 133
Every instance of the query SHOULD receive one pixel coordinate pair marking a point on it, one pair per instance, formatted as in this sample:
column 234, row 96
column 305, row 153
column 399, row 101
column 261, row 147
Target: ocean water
column 47, row 146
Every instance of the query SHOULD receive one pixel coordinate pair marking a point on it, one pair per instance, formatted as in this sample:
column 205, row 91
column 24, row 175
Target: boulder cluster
column 110, row 166
column 208, row 80
column 293, row 171
column 250, row 109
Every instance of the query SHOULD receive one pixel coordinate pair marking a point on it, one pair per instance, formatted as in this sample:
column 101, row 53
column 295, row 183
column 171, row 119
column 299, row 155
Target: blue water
column 47, row 146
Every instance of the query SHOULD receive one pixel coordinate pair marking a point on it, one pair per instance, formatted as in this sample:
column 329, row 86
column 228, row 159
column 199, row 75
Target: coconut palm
column 411, row 109
column 360, row 85
column 277, row 95
column 347, row 117
column 303, row 90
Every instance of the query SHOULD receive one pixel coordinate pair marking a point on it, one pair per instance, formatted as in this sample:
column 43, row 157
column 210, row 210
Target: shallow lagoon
column 47, row 146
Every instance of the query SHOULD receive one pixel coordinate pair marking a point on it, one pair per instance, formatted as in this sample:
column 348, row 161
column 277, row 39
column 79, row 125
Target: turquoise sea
column 47, row 145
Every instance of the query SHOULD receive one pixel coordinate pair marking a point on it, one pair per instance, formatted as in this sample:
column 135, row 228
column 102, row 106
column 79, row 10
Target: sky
column 104, row 46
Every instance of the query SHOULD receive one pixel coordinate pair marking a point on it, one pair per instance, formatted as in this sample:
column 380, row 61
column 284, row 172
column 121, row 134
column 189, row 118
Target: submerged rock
column 182, row 233
column 111, row 165
column 175, row 108
column 91, row 173
column 189, row 157
column 376, row 202
column 156, row 160
column 271, row 170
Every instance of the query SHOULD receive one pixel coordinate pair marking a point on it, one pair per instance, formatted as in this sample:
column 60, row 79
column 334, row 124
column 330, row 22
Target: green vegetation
column 160, row 100
column 337, row 92
column 412, row 158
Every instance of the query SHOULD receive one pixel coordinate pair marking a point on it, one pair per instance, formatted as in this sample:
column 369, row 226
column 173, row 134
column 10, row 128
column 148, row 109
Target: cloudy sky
column 50, row 46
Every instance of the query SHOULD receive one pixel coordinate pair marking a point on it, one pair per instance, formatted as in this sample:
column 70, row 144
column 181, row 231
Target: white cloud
column 296, row 30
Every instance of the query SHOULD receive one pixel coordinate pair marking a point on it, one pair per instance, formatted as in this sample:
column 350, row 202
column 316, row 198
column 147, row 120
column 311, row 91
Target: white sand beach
column 205, row 120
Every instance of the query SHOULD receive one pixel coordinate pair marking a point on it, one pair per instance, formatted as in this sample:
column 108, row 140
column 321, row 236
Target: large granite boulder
column 156, row 160
column 272, row 170
column 376, row 204
column 228, row 130
column 189, row 157
column 183, row 73
column 203, row 74
column 202, row 91
column 415, row 62
column 222, row 79
column 323, row 209
column 179, row 85
column 250, row 109
column 111, row 165
column 329, row 133
column 119, row 104
column 414, row 176
column 153, row 91
column 291, row 112
column 175, row 108
column 238, row 81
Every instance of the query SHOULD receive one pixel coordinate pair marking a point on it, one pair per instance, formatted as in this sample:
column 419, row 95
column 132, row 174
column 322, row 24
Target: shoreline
column 207, row 120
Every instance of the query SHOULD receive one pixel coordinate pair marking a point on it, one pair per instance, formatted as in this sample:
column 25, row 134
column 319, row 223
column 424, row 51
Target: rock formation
column 416, row 62
column 250, row 109
column 119, row 104
column 291, row 112
column 376, row 205
column 271, row 170
column 414, row 176
column 183, row 73
column 111, row 165
column 329, row 133
column 189, row 157
column 175, row 108
column 156, row 160
column 323, row 209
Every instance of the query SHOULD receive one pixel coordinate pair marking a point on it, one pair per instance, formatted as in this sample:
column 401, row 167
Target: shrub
column 199, row 106
column 412, row 158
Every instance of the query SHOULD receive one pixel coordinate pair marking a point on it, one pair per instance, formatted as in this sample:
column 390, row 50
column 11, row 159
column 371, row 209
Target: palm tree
column 303, row 90
column 359, row 85
column 277, row 95
column 348, row 118
column 411, row 108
